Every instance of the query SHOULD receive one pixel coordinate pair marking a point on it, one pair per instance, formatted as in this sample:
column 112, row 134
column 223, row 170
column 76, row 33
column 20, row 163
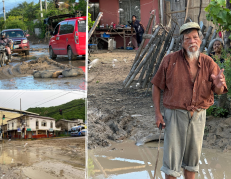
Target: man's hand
column 219, row 80
column 159, row 119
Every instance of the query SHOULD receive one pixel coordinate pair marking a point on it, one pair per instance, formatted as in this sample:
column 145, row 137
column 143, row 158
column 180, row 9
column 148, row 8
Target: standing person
column 189, row 79
column 7, row 42
column 139, row 29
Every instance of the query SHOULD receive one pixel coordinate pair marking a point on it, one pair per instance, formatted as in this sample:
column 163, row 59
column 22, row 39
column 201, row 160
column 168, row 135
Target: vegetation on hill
column 72, row 110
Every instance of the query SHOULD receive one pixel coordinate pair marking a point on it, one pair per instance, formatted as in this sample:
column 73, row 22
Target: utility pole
column 46, row 5
column 4, row 10
column 41, row 8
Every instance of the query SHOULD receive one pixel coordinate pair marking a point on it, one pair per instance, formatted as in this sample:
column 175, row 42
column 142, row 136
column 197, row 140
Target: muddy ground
column 19, row 73
column 117, row 114
column 49, row 158
column 107, row 95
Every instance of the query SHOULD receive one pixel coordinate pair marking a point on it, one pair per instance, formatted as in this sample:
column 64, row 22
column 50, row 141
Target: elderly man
column 189, row 79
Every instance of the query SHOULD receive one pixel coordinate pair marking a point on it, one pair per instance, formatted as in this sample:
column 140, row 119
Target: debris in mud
column 217, row 133
column 114, row 125
column 42, row 67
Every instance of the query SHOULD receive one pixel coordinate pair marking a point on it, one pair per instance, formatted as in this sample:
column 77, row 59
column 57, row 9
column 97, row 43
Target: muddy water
column 126, row 160
column 29, row 82
column 26, row 161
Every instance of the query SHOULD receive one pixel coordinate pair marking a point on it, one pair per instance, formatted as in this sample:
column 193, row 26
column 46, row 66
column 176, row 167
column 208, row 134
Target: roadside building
column 31, row 126
column 66, row 125
column 120, row 12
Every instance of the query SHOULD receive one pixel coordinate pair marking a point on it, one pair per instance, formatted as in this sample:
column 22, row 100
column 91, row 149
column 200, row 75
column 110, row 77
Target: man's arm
column 156, row 101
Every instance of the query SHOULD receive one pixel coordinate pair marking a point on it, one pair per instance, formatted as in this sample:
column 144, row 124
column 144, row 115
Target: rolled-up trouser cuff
column 190, row 168
column 170, row 172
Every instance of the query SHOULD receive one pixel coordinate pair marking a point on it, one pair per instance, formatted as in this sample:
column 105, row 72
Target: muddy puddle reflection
column 125, row 160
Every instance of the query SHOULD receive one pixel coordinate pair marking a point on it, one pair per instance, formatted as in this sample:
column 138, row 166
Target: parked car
column 76, row 130
column 20, row 41
column 69, row 38
column 83, row 132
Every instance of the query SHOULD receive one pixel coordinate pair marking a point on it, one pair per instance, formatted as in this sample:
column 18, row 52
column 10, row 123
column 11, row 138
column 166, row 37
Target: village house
column 66, row 125
column 31, row 126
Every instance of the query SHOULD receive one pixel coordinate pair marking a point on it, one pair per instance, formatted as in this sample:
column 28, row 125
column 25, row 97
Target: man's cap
column 189, row 25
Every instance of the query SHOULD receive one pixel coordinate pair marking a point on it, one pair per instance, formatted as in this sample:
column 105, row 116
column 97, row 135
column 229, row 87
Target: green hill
column 72, row 110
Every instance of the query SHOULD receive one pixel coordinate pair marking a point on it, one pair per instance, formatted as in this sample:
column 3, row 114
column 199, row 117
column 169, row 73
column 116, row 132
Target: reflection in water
column 127, row 160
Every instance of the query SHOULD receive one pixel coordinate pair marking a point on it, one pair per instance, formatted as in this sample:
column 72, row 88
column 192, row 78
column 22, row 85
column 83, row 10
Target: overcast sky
column 11, row 98
column 9, row 4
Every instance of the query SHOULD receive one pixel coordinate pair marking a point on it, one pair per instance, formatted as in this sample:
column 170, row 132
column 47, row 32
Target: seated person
column 7, row 43
column 218, row 45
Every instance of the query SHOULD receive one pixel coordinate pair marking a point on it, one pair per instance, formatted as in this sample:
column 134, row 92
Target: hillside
column 72, row 110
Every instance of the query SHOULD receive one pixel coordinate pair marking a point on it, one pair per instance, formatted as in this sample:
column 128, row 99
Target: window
column 44, row 123
column 56, row 30
column 37, row 123
column 82, row 26
column 17, row 33
column 12, row 124
column 8, row 126
column 63, row 28
column 51, row 124
column 127, row 8
column 70, row 26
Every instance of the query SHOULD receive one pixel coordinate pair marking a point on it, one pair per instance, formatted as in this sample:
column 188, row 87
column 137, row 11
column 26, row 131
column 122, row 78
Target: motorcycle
column 3, row 56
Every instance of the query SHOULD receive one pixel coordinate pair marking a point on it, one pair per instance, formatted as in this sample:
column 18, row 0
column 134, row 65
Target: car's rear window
column 82, row 25
column 14, row 34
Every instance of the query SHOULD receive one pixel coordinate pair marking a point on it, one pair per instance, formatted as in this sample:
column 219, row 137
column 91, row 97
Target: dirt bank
column 57, row 158
column 218, row 133
column 107, row 95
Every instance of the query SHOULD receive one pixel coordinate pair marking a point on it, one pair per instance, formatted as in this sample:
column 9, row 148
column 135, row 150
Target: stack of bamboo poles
column 149, row 60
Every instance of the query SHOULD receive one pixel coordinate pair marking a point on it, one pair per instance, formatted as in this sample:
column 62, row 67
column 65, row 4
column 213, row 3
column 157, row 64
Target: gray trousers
column 183, row 139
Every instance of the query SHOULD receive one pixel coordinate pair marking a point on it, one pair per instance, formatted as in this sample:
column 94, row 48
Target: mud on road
column 19, row 74
column 49, row 158
column 107, row 95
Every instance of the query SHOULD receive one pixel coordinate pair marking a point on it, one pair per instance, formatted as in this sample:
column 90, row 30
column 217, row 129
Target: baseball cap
column 189, row 25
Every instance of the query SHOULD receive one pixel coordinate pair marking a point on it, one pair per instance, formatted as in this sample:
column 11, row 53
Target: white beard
column 193, row 55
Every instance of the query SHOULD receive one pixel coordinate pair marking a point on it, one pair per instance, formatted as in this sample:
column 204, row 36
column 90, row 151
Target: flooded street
column 50, row 158
column 126, row 160
column 11, row 78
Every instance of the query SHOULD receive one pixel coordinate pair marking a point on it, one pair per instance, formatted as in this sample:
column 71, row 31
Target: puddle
column 29, row 82
column 126, row 160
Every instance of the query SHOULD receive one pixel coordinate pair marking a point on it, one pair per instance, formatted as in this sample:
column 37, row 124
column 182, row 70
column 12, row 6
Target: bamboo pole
column 211, row 45
column 140, row 66
column 146, row 32
column 204, row 41
column 141, row 56
column 186, row 14
column 95, row 24
column 153, row 61
column 171, row 46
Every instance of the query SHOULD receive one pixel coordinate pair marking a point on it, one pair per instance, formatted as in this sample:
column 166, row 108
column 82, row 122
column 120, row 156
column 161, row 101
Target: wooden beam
column 186, row 14
column 95, row 25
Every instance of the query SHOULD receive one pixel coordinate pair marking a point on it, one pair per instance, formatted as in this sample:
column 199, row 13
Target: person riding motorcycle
column 7, row 42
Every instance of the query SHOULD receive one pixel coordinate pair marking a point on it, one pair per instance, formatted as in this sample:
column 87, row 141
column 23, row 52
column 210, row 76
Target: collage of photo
column 115, row 89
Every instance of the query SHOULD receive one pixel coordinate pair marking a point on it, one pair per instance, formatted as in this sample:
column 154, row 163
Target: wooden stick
column 95, row 24
column 143, row 40
column 171, row 46
column 140, row 66
column 141, row 56
column 186, row 14
column 173, row 19
column 211, row 45
column 153, row 61
column 204, row 41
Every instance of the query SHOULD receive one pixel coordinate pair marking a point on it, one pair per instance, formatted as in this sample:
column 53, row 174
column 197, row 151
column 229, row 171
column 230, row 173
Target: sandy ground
column 107, row 95
column 19, row 73
column 49, row 158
